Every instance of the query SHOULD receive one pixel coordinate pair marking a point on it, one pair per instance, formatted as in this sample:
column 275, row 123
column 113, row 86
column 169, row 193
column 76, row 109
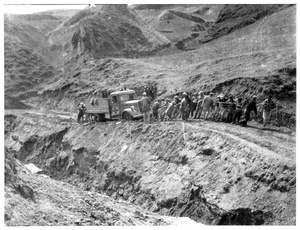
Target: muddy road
column 213, row 173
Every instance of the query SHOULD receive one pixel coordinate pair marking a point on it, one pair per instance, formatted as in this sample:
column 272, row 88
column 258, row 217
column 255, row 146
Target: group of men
column 234, row 111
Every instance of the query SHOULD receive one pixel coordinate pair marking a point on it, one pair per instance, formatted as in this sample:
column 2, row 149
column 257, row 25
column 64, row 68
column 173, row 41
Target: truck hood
column 131, row 102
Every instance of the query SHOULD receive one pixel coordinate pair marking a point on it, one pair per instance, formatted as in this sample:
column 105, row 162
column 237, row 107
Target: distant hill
column 17, row 27
column 179, row 22
column 233, row 17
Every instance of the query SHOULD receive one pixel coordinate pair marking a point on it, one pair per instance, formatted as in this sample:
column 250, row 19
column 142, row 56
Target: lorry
column 118, row 105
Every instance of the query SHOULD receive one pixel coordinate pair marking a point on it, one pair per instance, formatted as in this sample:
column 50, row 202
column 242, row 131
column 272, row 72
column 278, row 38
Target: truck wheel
column 96, row 117
column 101, row 117
column 127, row 116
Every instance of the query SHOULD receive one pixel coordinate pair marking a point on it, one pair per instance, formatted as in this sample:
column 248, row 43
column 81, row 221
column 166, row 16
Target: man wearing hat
column 231, row 109
column 199, row 105
column 184, row 107
column 268, row 106
column 81, row 111
column 155, row 108
column 207, row 105
column 170, row 109
column 238, row 111
column 146, row 107
column 176, row 110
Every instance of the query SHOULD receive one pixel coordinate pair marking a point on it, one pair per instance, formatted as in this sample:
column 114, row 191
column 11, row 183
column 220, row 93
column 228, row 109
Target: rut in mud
column 213, row 173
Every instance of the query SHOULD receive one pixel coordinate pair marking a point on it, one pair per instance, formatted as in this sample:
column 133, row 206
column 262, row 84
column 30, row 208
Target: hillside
column 31, row 29
column 101, row 31
column 25, row 71
column 16, row 27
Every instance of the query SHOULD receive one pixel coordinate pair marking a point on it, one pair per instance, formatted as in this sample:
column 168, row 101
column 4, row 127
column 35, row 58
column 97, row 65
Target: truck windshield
column 127, row 97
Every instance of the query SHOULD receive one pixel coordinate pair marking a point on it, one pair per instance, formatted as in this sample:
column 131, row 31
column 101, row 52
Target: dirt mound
column 233, row 17
column 168, row 168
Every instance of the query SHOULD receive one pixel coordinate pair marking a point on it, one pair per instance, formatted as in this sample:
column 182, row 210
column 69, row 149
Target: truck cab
column 124, row 104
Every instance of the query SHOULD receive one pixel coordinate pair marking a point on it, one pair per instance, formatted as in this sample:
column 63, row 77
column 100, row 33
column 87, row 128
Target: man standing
column 250, row 107
column 231, row 109
column 199, row 105
column 81, row 111
column 155, row 108
column 146, row 107
column 268, row 106
column 238, row 112
column 162, row 109
column 170, row 110
column 207, row 104
column 193, row 105
column 184, row 107
column 176, row 109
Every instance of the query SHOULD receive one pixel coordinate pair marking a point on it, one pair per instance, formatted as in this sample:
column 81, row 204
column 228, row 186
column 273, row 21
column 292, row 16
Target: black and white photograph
column 152, row 113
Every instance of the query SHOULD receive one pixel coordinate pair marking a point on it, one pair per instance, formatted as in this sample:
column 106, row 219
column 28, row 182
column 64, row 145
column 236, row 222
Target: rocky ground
column 199, row 169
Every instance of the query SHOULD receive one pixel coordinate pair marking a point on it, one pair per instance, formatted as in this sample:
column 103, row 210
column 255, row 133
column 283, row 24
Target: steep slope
column 102, row 31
